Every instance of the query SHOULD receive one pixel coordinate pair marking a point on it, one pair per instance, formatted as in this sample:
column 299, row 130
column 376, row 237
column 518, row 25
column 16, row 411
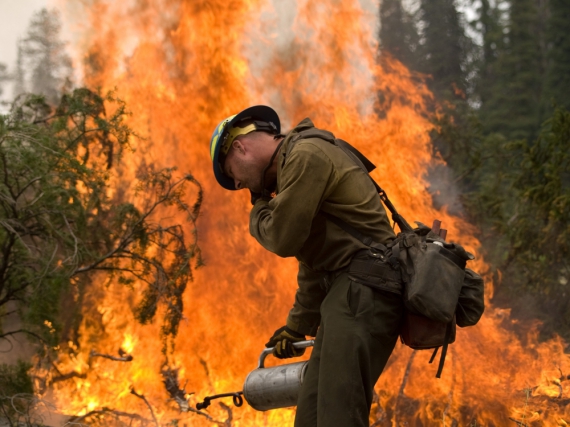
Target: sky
column 14, row 18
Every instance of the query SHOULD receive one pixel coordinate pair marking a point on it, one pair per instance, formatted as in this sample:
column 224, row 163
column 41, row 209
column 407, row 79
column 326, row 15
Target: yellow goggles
column 233, row 133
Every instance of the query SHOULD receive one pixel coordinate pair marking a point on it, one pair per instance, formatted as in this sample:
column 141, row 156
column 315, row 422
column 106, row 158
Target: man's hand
column 282, row 341
column 254, row 197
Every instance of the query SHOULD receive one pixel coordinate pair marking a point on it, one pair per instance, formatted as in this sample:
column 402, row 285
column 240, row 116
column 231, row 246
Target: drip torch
column 269, row 388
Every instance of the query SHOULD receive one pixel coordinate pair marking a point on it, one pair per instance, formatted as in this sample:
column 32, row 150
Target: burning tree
column 65, row 222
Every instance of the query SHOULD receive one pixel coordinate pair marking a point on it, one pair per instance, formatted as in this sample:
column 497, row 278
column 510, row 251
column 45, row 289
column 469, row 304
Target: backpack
column 440, row 293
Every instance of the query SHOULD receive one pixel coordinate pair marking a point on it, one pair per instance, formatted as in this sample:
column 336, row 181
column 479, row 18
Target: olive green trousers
column 358, row 331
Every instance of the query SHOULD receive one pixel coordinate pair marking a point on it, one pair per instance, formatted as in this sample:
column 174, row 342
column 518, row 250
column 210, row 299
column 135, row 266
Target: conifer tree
column 444, row 46
column 490, row 25
column 398, row 34
column 522, row 62
column 43, row 66
column 558, row 37
column 3, row 76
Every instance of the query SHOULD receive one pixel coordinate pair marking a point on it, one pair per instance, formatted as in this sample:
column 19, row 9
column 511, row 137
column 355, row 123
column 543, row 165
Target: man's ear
column 238, row 145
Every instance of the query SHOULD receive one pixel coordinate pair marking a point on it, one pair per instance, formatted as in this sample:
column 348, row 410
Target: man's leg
column 359, row 329
column 307, row 401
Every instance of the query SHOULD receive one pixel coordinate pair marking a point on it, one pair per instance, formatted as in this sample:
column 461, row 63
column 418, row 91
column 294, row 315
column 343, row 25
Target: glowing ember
column 190, row 63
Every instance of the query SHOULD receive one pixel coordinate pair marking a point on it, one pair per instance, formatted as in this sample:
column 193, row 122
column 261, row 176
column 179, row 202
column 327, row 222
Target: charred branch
column 68, row 376
column 123, row 356
column 228, row 422
column 5, row 335
column 172, row 386
column 403, row 385
column 520, row 423
column 142, row 396
column 208, row 417
column 104, row 411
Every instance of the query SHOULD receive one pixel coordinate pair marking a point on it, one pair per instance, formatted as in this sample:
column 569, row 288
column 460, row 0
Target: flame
column 182, row 66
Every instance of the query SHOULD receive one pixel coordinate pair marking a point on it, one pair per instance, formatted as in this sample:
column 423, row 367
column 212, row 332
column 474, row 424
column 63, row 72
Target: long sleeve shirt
column 315, row 176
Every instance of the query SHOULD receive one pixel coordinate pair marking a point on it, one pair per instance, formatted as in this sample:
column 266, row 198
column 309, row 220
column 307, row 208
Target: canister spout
column 267, row 351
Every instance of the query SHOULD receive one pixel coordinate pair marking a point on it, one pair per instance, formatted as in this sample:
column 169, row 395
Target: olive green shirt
column 315, row 176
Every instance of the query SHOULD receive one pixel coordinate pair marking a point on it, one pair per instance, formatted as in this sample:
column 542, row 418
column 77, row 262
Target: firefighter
column 304, row 187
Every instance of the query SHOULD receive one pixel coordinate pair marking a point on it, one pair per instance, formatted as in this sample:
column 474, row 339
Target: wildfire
column 182, row 66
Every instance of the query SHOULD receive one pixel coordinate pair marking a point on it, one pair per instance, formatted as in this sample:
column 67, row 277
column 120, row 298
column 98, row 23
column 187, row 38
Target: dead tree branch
column 142, row 396
column 172, row 386
column 123, row 356
column 103, row 411
column 207, row 416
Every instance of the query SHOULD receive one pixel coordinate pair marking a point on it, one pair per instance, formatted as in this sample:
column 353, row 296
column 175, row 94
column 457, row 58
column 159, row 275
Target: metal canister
column 276, row 387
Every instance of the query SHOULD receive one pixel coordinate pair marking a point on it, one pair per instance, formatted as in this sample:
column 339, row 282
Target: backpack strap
column 367, row 166
column 444, row 347
column 366, row 240
column 361, row 160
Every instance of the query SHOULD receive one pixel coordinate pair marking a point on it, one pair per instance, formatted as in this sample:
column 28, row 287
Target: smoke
column 444, row 192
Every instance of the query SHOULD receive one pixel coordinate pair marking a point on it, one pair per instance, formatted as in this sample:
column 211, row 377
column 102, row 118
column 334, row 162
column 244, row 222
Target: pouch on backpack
column 471, row 302
column 433, row 272
column 421, row 333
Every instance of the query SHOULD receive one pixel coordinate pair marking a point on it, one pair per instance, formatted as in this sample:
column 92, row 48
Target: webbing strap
column 382, row 271
column 433, row 355
column 366, row 165
column 444, row 349
column 446, row 339
column 366, row 240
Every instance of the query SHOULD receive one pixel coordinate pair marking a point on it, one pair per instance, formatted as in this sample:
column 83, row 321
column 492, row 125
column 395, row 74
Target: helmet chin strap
column 264, row 191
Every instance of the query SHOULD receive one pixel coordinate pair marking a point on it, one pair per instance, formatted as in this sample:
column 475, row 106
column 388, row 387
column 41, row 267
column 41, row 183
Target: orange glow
column 182, row 66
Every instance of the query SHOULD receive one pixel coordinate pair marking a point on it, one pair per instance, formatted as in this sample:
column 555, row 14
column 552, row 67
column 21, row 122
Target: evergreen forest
column 500, row 72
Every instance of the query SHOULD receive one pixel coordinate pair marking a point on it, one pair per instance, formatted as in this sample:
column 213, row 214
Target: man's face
column 244, row 165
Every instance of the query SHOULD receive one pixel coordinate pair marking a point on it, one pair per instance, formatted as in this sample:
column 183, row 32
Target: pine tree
column 491, row 27
column 558, row 37
column 3, row 76
column 398, row 34
column 444, row 48
column 20, row 75
column 43, row 65
column 523, row 66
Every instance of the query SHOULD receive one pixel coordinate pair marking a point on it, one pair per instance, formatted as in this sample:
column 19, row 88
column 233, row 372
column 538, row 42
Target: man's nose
column 237, row 184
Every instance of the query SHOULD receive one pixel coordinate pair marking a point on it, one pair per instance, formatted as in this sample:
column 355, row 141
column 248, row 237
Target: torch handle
column 268, row 351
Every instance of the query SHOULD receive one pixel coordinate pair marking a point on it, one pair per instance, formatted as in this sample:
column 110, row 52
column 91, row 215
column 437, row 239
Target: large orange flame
column 182, row 66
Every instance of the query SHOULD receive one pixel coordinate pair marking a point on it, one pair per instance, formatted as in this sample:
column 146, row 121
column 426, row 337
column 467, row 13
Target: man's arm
column 282, row 224
column 305, row 316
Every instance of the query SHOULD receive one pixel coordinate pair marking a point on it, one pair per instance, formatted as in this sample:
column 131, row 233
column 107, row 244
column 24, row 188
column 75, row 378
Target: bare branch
column 141, row 396
column 123, row 357
column 22, row 331
column 68, row 376
column 104, row 410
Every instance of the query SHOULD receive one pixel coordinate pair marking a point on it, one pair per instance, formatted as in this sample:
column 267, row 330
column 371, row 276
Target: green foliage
column 539, row 230
column 15, row 379
column 15, row 391
column 518, row 194
column 59, row 222
column 492, row 94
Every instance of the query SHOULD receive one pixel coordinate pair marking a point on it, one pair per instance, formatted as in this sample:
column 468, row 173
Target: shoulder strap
column 367, row 240
column 447, row 338
column 367, row 166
